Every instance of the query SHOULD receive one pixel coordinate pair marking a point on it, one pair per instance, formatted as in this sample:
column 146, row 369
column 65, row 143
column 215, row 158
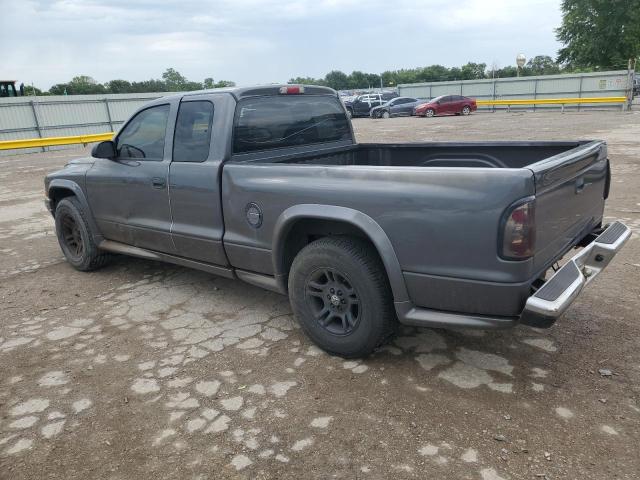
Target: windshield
column 264, row 123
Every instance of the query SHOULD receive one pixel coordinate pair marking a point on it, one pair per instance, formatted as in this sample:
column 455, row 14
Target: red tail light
column 292, row 90
column 518, row 230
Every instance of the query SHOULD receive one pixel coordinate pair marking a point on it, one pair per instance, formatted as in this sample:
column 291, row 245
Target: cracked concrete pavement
column 145, row 370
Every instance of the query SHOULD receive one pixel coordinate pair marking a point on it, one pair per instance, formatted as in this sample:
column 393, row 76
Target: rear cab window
column 192, row 136
column 272, row 122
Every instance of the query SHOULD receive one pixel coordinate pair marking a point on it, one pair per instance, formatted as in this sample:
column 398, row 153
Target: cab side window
column 193, row 132
column 143, row 137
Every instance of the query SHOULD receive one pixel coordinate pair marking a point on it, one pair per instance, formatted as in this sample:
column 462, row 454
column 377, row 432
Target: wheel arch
column 60, row 188
column 285, row 247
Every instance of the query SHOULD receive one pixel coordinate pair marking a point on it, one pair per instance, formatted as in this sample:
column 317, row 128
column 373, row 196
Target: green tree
column 599, row 33
column 118, row 86
column 174, row 80
column 373, row 79
column 435, row 73
column 30, row 91
column 58, row 89
column 473, row 71
column 542, row 65
column 84, row 85
column 80, row 85
column 148, row 86
column 358, row 80
column 337, row 80
column 306, row 81
column 505, row 72
column 208, row 83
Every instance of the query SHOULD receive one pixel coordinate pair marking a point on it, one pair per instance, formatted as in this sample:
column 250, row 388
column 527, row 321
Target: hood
column 81, row 161
column 73, row 171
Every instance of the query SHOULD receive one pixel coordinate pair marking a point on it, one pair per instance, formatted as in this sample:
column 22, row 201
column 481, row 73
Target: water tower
column 520, row 61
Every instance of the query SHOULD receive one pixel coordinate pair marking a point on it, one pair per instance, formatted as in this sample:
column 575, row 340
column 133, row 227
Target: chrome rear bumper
column 554, row 297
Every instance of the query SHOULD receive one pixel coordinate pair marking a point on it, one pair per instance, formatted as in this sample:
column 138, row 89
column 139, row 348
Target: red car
column 446, row 105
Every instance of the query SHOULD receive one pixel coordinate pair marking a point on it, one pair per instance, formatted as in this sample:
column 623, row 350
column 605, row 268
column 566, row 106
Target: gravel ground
column 145, row 370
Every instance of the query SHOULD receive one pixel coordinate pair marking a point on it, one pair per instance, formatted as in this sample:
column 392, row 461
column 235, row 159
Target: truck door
column 194, row 186
column 128, row 195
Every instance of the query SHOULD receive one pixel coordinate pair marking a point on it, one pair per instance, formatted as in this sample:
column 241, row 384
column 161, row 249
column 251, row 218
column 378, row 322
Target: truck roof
column 261, row 90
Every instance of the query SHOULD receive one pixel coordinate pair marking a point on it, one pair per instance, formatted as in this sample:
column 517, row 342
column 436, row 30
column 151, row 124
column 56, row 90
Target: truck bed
column 444, row 222
column 479, row 155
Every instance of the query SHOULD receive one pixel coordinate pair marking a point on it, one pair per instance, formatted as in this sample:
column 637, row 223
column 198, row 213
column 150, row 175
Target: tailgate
column 570, row 191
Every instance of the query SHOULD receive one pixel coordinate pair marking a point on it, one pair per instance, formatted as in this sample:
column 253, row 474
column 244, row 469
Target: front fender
column 70, row 185
column 369, row 226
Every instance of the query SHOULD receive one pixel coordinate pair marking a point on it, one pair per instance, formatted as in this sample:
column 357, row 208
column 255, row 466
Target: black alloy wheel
column 71, row 235
column 341, row 297
column 333, row 301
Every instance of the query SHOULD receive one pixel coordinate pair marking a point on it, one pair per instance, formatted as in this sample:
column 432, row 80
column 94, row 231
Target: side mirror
column 106, row 149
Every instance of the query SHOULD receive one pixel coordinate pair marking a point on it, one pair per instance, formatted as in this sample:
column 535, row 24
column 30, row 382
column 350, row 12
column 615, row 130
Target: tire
column 466, row 110
column 75, row 236
column 386, row 115
column 430, row 112
column 340, row 296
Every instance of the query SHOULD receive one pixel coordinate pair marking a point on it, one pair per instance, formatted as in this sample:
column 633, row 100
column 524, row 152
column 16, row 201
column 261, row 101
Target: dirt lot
column 144, row 370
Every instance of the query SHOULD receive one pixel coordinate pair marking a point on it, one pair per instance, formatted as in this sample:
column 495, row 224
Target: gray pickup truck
column 268, row 185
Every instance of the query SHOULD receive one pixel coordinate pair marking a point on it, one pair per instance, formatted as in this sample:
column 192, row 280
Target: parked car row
column 361, row 105
column 396, row 107
column 389, row 104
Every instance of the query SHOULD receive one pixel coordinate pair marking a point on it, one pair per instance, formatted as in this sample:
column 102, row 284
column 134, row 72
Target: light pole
column 520, row 60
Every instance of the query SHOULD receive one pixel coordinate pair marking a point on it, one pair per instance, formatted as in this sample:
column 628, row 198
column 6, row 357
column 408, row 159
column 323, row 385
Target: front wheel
column 75, row 236
column 386, row 114
column 466, row 110
column 340, row 296
column 430, row 113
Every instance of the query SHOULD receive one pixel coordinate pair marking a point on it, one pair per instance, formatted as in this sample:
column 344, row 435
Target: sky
column 263, row 41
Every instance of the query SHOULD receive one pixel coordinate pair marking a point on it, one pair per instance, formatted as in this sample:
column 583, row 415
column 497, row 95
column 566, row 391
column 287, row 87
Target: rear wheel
column 340, row 295
column 430, row 113
column 75, row 236
column 466, row 110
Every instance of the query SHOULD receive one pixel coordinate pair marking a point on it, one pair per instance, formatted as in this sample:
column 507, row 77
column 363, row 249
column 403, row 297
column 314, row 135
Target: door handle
column 158, row 182
column 580, row 185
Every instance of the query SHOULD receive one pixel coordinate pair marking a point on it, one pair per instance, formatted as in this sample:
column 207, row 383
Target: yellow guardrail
column 552, row 101
column 52, row 141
